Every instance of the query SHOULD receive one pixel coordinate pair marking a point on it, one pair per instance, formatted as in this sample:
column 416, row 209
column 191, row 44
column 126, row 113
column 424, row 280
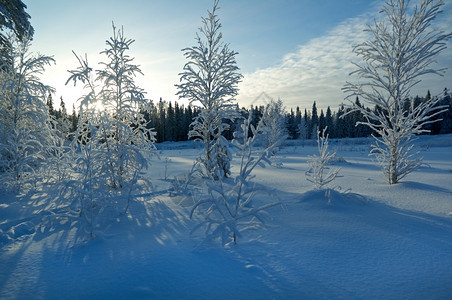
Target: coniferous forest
column 171, row 121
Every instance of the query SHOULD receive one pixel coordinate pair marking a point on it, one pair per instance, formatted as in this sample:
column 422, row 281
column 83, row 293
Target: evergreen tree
column 170, row 132
column 74, row 119
column 339, row 124
column 322, row 121
column 329, row 122
column 256, row 114
column 307, row 122
column 298, row 118
column 179, row 122
column 314, row 121
column 189, row 116
column 63, row 110
column 291, row 125
column 428, row 97
column 359, row 129
column 161, row 127
column 150, row 114
column 446, row 116
column 50, row 106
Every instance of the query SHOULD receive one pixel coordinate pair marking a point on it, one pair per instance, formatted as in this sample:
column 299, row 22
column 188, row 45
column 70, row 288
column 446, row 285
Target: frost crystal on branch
column 210, row 79
column 402, row 49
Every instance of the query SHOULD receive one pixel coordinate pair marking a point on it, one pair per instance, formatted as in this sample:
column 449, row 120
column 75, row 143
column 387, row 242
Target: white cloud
column 318, row 70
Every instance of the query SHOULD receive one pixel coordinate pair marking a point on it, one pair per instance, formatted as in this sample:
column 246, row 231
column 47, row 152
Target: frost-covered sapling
column 402, row 49
column 24, row 128
column 186, row 184
column 112, row 141
column 229, row 207
column 59, row 159
column 210, row 79
column 319, row 173
column 59, row 156
column 273, row 123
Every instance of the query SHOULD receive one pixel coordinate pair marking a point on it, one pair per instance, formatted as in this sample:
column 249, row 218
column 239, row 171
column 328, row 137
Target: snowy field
column 372, row 241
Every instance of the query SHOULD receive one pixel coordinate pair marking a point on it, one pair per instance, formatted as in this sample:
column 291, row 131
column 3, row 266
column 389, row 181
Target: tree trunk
column 393, row 176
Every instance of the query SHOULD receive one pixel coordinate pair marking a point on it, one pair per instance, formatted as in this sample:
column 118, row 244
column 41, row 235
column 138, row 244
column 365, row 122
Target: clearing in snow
column 361, row 239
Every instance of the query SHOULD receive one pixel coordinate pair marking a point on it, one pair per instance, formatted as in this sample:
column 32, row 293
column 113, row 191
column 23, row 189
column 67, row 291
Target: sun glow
column 99, row 106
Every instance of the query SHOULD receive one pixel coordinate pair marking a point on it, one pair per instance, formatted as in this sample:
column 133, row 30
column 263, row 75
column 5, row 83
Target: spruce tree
column 74, row 119
column 329, row 122
column 298, row 118
column 307, row 122
column 161, row 128
column 49, row 103
column 314, row 121
column 170, row 132
column 322, row 121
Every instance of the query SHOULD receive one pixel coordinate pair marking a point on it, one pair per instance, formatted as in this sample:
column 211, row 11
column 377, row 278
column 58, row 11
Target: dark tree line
column 171, row 121
column 61, row 114
column 445, row 125
column 342, row 123
column 339, row 124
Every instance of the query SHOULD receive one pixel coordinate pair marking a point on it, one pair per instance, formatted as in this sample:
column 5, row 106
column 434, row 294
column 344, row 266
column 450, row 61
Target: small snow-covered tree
column 125, row 131
column 228, row 209
column 319, row 173
column 59, row 157
column 402, row 49
column 273, row 122
column 113, row 116
column 91, row 165
column 112, row 137
column 24, row 127
column 210, row 79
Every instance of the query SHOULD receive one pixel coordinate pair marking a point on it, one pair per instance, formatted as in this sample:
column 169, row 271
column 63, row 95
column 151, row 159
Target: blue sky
column 298, row 50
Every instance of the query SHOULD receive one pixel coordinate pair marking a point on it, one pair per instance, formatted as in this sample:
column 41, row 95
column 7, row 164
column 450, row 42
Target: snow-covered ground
column 372, row 241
